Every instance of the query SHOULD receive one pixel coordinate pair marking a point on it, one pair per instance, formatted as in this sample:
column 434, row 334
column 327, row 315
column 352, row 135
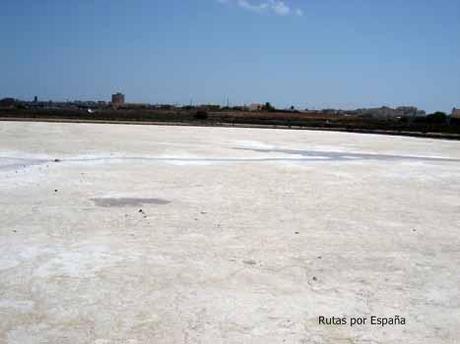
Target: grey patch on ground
column 127, row 202
column 11, row 163
column 7, row 163
column 346, row 156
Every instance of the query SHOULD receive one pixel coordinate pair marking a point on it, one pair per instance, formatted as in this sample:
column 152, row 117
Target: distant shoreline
column 419, row 134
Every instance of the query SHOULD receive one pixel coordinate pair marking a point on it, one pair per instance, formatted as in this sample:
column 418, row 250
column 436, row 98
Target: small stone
column 57, row 160
column 297, row 233
column 314, row 278
column 55, row 190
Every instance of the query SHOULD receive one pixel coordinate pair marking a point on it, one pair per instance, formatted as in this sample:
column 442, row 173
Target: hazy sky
column 312, row 53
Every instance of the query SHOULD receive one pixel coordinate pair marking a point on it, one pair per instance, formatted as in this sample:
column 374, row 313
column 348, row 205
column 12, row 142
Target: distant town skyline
column 118, row 99
column 310, row 54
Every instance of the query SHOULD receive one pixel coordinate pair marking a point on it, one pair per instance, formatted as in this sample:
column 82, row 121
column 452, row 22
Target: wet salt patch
column 176, row 160
column 284, row 156
column 9, row 164
column 17, row 155
column 302, row 159
column 12, row 164
column 15, row 161
column 108, row 202
column 350, row 157
column 179, row 160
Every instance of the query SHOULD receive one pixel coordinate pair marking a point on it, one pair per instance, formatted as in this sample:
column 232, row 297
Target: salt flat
column 150, row 234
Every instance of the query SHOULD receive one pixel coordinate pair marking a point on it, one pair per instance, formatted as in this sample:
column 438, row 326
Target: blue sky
column 314, row 53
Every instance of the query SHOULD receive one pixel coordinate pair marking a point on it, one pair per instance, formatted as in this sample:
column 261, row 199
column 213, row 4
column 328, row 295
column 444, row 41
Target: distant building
column 456, row 113
column 255, row 107
column 118, row 99
column 409, row 111
column 35, row 99
column 386, row 112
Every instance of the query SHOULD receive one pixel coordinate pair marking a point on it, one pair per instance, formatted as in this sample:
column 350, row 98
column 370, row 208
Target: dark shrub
column 201, row 115
column 437, row 117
